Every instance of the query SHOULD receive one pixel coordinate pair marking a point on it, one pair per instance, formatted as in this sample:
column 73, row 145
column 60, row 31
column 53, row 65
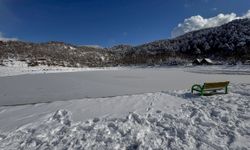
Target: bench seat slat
column 215, row 85
column 211, row 89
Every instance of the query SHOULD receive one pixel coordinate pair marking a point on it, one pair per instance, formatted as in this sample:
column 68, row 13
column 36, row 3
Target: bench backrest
column 215, row 85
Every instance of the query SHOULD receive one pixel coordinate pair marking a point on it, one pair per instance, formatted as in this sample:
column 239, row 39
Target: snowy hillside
column 228, row 43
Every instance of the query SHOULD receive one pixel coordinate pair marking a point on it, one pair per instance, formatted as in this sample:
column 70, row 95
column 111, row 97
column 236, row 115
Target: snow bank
column 85, row 109
column 13, row 67
column 214, row 122
column 221, row 69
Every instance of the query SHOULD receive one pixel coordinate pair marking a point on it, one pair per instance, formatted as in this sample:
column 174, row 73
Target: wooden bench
column 212, row 86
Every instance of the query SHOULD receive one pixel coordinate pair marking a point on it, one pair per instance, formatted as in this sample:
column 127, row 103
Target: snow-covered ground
column 221, row 69
column 13, row 68
column 171, row 118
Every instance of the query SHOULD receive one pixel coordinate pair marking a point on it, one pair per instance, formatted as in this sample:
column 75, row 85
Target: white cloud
column 2, row 38
column 247, row 15
column 198, row 22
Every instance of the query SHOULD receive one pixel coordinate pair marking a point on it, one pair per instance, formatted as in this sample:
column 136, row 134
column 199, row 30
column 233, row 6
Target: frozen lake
column 35, row 88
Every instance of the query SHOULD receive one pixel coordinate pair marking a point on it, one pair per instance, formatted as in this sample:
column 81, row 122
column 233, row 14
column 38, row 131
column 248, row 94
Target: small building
column 206, row 61
column 197, row 62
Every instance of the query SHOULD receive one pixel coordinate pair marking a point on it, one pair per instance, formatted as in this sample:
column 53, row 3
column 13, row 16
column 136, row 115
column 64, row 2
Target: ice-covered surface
column 26, row 89
column 214, row 122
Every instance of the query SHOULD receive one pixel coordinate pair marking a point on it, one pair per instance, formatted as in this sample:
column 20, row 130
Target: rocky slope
column 54, row 53
column 229, row 42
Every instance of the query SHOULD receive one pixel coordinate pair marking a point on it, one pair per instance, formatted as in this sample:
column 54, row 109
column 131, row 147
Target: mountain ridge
column 229, row 42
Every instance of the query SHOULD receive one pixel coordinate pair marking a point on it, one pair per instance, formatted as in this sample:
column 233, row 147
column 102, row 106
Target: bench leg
column 202, row 92
column 226, row 90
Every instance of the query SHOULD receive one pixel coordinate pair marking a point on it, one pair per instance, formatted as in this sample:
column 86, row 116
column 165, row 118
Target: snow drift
column 214, row 122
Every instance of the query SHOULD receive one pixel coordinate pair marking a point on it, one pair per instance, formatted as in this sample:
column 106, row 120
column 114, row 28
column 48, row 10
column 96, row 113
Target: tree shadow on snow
column 189, row 95
column 212, row 93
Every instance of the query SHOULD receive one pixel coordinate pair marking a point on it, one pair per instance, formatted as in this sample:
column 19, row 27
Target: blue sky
column 105, row 22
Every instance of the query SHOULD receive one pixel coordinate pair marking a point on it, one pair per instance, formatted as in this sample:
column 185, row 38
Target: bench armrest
column 196, row 86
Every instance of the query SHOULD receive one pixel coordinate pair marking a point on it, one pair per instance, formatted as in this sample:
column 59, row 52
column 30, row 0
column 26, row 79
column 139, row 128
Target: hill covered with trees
column 226, row 43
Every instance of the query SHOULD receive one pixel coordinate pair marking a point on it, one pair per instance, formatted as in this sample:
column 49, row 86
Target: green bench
column 212, row 86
